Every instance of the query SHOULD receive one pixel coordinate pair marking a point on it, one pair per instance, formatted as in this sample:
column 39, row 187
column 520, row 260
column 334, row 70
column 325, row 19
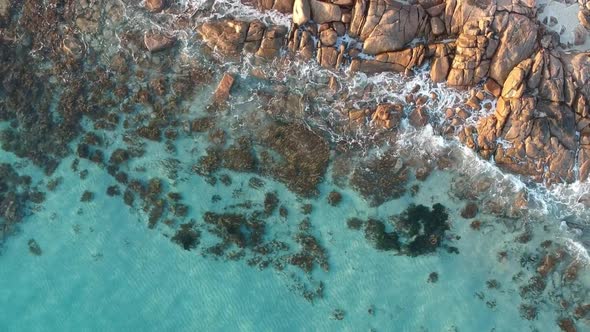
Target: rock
column 440, row 65
column 515, row 84
column 437, row 25
column 493, row 87
column 395, row 29
column 387, row 115
column 254, row 36
column 566, row 325
column 380, row 179
column 155, row 6
column 273, row 41
column 419, row 117
column 401, row 61
column 358, row 18
column 86, row 25
column 4, row 9
column 580, row 34
column 158, row 41
column 322, row 12
column 552, row 83
column 469, row 211
column 334, row 198
column 327, row 56
column 432, row 278
column 34, row 248
column 301, row 12
column 72, row 47
column 328, row 37
column 295, row 155
column 472, row 57
column 580, row 70
column 283, row 6
column 460, row 12
column 223, row 88
column 226, row 36
column 340, row 28
column 584, row 17
column 186, row 237
column 518, row 35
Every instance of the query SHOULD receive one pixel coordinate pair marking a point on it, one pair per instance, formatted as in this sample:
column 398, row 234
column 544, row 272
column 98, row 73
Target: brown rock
column 440, row 65
column 328, row 37
column 515, row 84
column 584, row 17
column 395, row 29
column 579, row 67
column 419, row 117
column 518, row 35
column 552, row 83
column 155, row 6
column 283, row 6
column 327, row 57
column 566, row 325
column 492, row 87
column 322, row 12
column 254, row 36
column 438, row 26
column 4, row 9
column 301, row 12
column 340, row 28
column 436, row 10
column 223, row 88
column 158, row 41
column 358, row 18
column 272, row 42
column 460, row 12
column 580, row 34
column 226, row 36
column 469, row 211
column 387, row 115
column 357, row 116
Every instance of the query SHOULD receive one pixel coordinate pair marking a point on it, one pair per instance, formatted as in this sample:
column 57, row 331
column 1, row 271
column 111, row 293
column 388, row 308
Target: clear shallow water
column 102, row 268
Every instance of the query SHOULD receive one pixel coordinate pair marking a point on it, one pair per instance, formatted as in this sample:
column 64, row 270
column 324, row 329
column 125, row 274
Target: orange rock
column 493, row 87
column 155, row 6
column 224, row 87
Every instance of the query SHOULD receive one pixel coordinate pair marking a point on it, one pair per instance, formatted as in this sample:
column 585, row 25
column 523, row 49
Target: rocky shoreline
column 540, row 125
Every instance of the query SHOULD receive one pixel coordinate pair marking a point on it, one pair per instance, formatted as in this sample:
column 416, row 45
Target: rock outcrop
column 540, row 127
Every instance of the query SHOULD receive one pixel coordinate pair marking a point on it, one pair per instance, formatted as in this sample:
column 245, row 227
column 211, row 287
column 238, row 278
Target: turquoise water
column 103, row 266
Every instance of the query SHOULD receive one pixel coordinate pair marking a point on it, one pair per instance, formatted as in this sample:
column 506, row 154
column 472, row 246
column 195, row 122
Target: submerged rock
column 382, row 240
column 187, row 237
column 158, row 41
column 380, row 179
column 334, row 198
column 294, row 155
column 34, row 248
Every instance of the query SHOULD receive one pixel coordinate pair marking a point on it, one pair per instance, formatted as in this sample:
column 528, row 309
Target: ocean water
column 111, row 265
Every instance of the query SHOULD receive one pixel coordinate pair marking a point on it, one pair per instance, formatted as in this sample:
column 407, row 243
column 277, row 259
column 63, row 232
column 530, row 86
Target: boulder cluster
column 540, row 125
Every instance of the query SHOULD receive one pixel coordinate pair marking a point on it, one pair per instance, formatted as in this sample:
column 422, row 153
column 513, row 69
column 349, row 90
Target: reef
column 17, row 196
column 416, row 231
column 380, row 179
column 187, row 237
